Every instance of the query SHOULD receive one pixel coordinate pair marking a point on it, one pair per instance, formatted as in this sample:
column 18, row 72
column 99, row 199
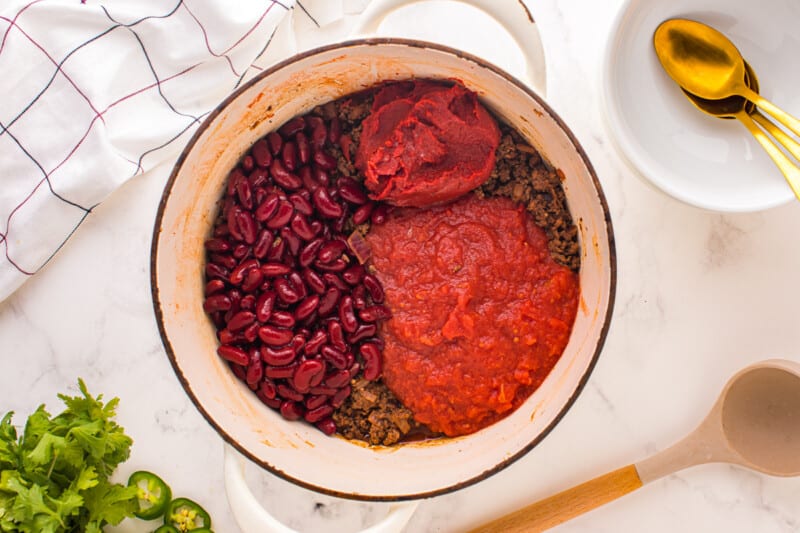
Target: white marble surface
column 699, row 295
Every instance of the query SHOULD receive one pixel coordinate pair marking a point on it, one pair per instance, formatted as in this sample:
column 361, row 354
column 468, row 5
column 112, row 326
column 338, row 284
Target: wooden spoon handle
column 568, row 504
column 780, row 115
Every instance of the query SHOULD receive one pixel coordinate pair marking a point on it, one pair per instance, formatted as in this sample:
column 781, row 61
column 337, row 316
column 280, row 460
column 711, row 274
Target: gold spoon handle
column 568, row 504
column 792, row 146
column 789, row 170
column 780, row 115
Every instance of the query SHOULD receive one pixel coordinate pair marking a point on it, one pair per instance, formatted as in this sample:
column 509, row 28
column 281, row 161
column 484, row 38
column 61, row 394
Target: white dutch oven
column 299, row 452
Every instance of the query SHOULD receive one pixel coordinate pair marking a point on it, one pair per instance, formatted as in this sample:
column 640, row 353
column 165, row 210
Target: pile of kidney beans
column 296, row 313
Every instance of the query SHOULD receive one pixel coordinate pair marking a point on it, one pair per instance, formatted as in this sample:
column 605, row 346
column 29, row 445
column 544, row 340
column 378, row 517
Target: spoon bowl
column 754, row 423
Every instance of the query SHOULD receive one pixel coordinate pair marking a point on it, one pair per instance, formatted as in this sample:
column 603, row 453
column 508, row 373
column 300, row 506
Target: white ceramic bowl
column 297, row 451
column 702, row 160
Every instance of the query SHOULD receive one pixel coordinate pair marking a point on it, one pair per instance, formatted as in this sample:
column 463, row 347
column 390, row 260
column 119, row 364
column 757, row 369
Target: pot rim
column 378, row 41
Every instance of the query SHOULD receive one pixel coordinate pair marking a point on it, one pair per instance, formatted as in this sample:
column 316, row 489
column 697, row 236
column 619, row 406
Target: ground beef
column 372, row 413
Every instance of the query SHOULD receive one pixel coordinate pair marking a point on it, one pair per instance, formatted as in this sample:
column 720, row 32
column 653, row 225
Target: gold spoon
column 754, row 423
column 738, row 107
column 704, row 62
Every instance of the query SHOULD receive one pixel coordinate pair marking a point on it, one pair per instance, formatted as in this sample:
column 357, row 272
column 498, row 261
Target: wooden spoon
column 754, row 423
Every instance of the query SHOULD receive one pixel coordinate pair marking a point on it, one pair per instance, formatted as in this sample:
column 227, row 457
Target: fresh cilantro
column 54, row 477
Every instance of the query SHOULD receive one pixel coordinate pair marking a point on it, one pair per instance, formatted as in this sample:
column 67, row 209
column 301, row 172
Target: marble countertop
column 699, row 295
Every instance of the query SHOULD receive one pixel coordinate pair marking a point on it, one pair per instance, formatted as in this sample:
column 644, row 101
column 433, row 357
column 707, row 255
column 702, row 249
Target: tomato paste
column 481, row 313
column 426, row 143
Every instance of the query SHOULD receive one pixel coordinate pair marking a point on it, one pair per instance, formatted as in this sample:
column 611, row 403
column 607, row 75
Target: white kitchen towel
column 94, row 93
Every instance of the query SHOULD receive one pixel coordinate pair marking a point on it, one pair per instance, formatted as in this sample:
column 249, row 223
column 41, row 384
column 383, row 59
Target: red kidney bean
column 289, row 156
column 279, row 372
column 303, row 147
column 282, row 319
column 354, row 274
column 273, row 269
column 331, row 251
column 334, row 280
column 292, row 240
column 258, row 178
column 324, row 160
column 347, row 314
column 274, row 336
column 301, row 227
column 291, row 410
column 309, row 252
column 268, row 388
column 247, row 227
column 234, row 177
column 336, row 357
column 338, row 265
column 372, row 360
column 214, row 286
column 241, row 320
column 363, row 213
column 252, row 280
column 275, row 142
column 282, row 216
column 217, row 302
column 306, row 307
column 248, row 163
column 301, row 204
column 267, row 208
column 307, row 177
column 250, row 333
column 320, row 413
column 286, row 293
column 293, row 127
column 238, row 273
column 297, row 282
column 283, row 177
column 255, row 370
column 277, row 356
column 315, row 400
column 351, row 191
column 224, row 260
column 263, row 243
column 275, row 252
column 379, row 214
column 321, row 176
column 221, row 230
column 264, row 305
column 375, row 313
column 319, row 134
column 297, row 343
column 217, row 245
column 335, row 130
column 226, row 337
column 337, row 378
column 327, row 426
column 241, row 251
column 336, row 335
column 261, row 153
column 364, row 331
column 305, row 372
column 233, row 354
column 374, row 288
column 313, row 280
column 245, row 193
column 326, row 206
column 248, row 302
column 287, row 391
column 274, row 403
column 316, row 341
column 239, row 371
column 328, row 301
column 323, row 390
column 338, row 399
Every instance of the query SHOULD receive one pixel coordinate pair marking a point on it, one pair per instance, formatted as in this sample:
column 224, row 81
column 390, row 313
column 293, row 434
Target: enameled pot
column 297, row 451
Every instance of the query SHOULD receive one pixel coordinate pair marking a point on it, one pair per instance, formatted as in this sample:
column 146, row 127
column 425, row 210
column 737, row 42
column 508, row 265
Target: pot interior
column 297, row 451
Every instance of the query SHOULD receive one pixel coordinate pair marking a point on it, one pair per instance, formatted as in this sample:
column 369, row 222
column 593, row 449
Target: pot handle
column 513, row 16
column 253, row 518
